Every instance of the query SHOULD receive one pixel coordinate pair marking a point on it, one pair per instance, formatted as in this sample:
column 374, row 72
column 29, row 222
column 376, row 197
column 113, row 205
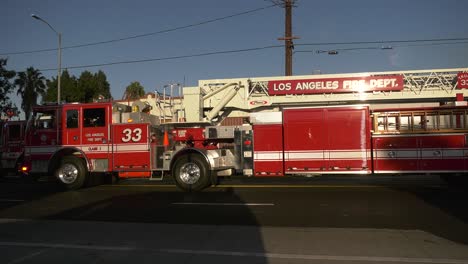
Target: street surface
column 317, row 220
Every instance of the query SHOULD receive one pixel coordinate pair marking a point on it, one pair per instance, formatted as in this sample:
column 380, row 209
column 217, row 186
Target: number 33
column 134, row 135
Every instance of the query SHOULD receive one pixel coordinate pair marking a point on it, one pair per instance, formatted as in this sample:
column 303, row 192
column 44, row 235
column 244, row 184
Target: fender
column 208, row 156
column 65, row 152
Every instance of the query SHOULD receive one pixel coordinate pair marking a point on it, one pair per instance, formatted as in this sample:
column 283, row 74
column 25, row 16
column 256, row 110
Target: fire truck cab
column 76, row 142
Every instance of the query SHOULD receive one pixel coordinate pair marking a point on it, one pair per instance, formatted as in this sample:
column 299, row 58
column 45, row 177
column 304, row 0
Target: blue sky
column 86, row 21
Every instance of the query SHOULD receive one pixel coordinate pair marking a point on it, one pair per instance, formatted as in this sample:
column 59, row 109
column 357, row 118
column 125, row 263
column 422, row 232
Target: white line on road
column 244, row 254
column 66, row 246
column 11, row 200
column 317, row 257
column 226, row 204
column 27, row 257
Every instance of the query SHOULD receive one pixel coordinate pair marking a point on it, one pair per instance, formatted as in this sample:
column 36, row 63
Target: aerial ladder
column 216, row 99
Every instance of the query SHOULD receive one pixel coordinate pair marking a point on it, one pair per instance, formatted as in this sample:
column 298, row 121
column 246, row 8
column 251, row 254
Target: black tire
column 71, row 173
column 191, row 173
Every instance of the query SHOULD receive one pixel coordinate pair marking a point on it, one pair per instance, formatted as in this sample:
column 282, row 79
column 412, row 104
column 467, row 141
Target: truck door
column 131, row 155
column 327, row 140
column 268, row 143
column 348, row 139
column 95, row 134
column 71, row 131
column 268, row 149
column 305, row 140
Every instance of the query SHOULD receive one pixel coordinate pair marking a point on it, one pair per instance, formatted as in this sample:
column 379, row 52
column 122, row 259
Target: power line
column 233, row 51
column 380, row 42
column 384, row 47
column 165, row 58
column 141, row 35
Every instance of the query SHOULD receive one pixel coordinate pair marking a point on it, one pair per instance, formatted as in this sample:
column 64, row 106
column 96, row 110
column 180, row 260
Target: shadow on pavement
column 212, row 221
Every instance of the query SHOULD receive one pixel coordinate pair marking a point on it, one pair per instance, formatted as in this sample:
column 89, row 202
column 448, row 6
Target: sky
column 330, row 21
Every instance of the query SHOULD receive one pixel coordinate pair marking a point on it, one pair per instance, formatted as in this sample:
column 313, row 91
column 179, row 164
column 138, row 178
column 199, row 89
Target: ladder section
column 421, row 121
column 169, row 106
column 430, row 85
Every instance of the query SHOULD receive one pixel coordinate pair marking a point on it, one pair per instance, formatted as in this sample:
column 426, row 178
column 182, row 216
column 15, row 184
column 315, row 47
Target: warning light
column 248, row 142
column 129, row 120
column 24, row 168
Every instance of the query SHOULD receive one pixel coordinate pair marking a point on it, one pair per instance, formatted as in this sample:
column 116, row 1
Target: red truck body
column 342, row 140
column 74, row 141
column 314, row 140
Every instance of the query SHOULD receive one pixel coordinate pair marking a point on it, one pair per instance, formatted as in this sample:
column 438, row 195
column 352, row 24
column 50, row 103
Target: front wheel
column 71, row 173
column 191, row 173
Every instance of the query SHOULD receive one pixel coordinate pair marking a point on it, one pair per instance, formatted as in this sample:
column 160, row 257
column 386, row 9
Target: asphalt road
column 323, row 220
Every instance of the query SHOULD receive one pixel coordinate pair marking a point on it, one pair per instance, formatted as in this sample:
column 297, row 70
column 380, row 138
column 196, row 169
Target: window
column 45, row 119
column 94, row 117
column 421, row 121
column 72, row 118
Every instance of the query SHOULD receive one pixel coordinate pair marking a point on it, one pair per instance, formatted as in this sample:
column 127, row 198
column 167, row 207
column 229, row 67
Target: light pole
column 59, row 73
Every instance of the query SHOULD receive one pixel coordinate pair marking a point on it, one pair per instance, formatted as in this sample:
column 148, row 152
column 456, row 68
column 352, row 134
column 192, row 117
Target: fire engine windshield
column 44, row 119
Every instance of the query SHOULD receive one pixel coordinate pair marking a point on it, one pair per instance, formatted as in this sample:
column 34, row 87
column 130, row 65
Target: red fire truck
column 11, row 145
column 75, row 142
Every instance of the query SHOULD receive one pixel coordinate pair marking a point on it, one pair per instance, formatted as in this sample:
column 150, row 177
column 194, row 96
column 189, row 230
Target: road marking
column 11, row 200
column 228, row 204
column 252, row 186
column 295, row 186
column 317, row 257
column 30, row 256
column 66, row 246
column 240, row 254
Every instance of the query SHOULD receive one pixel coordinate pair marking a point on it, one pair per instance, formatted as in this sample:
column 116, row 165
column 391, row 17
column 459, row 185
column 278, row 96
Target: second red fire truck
column 11, row 146
column 75, row 142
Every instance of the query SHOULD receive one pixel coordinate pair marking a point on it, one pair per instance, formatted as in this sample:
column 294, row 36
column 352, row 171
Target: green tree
column 30, row 84
column 93, row 86
column 87, row 85
column 134, row 91
column 87, row 88
column 102, row 86
column 6, row 87
column 68, row 89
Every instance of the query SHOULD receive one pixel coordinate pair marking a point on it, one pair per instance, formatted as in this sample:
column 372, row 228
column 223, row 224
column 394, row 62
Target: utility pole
column 288, row 37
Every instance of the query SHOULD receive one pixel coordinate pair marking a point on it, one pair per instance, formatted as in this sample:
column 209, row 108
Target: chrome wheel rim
column 68, row 173
column 190, row 173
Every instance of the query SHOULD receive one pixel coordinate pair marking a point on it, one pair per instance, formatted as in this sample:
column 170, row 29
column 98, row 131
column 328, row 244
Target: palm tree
column 134, row 91
column 30, row 84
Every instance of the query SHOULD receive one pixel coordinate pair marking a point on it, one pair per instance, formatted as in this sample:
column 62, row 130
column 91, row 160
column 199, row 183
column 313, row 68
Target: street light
column 59, row 73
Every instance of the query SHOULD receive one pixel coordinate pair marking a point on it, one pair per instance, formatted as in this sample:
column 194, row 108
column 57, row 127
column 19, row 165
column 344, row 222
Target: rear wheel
column 71, row 173
column 191, row 173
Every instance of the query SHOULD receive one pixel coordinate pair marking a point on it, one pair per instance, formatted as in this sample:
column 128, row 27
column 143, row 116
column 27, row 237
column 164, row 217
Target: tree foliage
column 68, row 89
column 134, row 91
column 102, row 85
column 87, row 88
column 6, row 87
column 30, row 85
